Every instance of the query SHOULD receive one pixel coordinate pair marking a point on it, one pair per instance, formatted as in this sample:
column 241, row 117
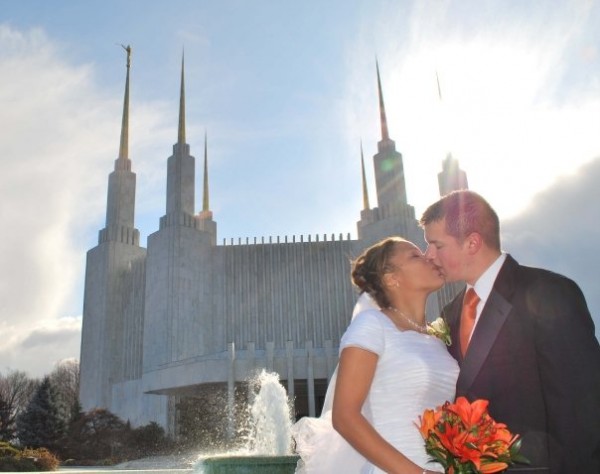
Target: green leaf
column 516, row 446
column 517, row 457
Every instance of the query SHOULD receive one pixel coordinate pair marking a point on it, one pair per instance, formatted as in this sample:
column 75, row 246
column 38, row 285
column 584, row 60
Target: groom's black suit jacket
column 534, row 356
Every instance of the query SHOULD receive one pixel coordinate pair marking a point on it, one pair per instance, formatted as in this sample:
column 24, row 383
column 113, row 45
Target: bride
column 389, row 372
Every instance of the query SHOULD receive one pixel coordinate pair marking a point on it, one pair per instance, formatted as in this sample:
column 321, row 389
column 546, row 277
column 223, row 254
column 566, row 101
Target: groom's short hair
column 465, row 212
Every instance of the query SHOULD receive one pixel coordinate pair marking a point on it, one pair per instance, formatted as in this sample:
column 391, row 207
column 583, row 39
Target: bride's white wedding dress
column 414, row 372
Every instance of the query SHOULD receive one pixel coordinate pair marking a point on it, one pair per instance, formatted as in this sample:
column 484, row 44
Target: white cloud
column 559, row 231
column 39, row 348
column 52, row 332
column 60, row 135
column 45, row 162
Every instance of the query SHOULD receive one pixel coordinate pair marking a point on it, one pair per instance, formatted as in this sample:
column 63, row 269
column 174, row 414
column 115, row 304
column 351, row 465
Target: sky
column 286, row 93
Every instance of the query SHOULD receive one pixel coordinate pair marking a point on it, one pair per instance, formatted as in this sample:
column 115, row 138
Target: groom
column 527, row 344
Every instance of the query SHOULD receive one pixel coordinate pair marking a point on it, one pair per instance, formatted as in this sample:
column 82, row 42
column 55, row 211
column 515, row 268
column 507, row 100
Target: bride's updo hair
column 368, row 269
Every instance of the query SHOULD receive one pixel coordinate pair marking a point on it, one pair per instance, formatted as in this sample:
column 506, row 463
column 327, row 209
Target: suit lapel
column 451, row 314
column 491, row 320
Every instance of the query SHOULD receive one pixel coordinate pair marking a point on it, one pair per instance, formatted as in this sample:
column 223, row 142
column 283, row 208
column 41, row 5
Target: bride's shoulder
column 370, row 318
column 367, row 330
column 368, row 315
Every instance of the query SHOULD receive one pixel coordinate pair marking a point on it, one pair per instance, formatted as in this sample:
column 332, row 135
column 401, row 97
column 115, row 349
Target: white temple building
column 186, row 314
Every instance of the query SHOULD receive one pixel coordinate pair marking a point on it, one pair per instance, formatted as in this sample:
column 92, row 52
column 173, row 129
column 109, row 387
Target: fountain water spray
column 269, row 446
column 271, row 418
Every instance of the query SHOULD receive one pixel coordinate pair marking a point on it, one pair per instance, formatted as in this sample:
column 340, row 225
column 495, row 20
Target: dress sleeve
column 366, row 331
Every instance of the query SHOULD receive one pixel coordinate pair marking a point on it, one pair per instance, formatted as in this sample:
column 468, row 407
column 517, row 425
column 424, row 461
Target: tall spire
column 124, row 144
column 180, row 173
column 384, row 127
column 205, row 207
column 364, row 180
column 204, row 219
column 120, row 201
column 181, row 129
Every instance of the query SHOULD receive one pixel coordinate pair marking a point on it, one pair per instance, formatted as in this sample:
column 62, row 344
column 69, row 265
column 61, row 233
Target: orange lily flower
column 493, row 467
column 428, row 421
column 469, row 413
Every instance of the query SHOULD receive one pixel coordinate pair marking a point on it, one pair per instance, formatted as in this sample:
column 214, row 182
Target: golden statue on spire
column 128, row 49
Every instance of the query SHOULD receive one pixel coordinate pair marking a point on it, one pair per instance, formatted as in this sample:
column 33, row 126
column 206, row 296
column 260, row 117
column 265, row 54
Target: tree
column 16, row 390
column 6, row 421
column 65, row 382
column 42, row 424
column 65, row 379
column 69, row 445
column 98, row 434
column 148, row 439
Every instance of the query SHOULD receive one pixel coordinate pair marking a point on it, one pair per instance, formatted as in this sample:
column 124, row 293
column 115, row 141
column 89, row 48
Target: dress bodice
column 414, row 372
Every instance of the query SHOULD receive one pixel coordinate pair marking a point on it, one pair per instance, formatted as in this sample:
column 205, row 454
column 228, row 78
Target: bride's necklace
column 417, row 326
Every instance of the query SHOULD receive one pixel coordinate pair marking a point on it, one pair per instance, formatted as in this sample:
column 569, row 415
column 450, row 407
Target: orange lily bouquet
column 465, row 439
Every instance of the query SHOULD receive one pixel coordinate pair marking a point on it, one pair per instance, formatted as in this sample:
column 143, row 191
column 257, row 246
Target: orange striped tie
column 467, row 318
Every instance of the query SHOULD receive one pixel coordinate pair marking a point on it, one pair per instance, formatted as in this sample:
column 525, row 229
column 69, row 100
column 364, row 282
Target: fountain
column 269, row 446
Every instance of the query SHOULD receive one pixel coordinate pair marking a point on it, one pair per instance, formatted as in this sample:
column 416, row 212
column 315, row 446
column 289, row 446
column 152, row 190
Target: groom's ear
column 473, row 243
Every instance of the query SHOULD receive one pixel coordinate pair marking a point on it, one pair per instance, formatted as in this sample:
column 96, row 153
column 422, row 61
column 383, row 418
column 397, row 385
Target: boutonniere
column 440, row 329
